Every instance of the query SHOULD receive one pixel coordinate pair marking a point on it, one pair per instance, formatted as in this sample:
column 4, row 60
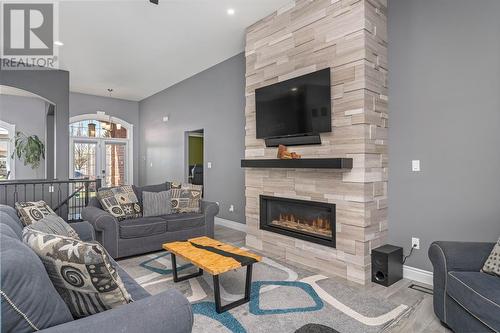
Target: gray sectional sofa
column 30, row 302
column 465, row 299
column 147, row 234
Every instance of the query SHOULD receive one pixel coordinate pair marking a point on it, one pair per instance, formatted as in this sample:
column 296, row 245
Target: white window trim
column 11, row 128
column 130, row 138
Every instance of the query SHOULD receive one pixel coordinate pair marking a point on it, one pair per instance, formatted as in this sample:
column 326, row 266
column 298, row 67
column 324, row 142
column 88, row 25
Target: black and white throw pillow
column 492, row 264
column 81, row 272
column 121, row 202
column 32, row 211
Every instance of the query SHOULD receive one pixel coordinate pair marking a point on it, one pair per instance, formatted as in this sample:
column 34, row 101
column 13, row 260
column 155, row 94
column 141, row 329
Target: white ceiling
column 139, row 49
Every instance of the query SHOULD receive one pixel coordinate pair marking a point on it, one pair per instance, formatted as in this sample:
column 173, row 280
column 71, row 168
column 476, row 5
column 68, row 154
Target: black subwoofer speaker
column 387, row 264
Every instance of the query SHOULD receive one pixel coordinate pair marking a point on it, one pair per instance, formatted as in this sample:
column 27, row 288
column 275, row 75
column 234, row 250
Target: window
column 7, row 132
column 100, row 148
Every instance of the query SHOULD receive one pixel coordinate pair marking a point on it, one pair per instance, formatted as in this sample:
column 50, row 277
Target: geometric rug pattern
column 284, row 298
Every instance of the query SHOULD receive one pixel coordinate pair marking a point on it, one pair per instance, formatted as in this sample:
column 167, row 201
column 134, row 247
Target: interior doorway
column 195, row 154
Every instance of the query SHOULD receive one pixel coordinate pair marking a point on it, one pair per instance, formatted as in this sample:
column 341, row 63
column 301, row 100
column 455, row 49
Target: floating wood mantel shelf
column 303, row 163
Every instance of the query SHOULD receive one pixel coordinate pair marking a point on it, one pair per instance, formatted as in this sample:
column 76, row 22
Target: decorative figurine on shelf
column 284, row 154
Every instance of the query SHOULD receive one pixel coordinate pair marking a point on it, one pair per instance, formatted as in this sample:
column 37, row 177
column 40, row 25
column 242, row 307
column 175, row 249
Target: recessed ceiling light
column 58, row 43
column 230, row 11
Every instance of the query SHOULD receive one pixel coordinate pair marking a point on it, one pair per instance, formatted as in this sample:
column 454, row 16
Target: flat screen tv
column 297, row 107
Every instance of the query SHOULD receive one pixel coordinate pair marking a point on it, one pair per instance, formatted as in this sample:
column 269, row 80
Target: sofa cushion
column 54, row 224
column 142, row 227
column 32, row 211
column 80, row 271
column 29, row 300
column 492, row 264
column 478, row 293
column 156, row 203
column 13, row 223
column 121, row 202
column 177, row 222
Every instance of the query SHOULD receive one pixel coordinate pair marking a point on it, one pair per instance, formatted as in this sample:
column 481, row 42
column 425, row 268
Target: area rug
column 285, row 298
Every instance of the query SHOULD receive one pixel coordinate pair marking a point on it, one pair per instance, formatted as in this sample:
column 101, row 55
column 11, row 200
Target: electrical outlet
column 415, row 242
column 415, row 165
column 231, row 208
column 51, row 188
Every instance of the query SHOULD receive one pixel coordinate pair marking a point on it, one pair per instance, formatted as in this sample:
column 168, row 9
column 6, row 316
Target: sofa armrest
column 209, row 209
column 168, row 311
column 106, row 227
column 454, row 256
column 85, row 230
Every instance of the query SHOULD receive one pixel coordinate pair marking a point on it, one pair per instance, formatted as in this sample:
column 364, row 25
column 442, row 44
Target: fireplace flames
column 318, row 225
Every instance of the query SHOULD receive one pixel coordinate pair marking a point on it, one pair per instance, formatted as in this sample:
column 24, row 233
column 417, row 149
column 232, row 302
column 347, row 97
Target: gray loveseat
column 147, row 234
column 465, row 299
column 29, row 300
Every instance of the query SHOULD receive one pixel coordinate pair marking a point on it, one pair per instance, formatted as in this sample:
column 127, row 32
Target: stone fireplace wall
column 350, row 37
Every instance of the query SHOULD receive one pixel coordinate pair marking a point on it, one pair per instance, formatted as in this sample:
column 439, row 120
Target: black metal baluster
column 59, row 197
column 16, row 194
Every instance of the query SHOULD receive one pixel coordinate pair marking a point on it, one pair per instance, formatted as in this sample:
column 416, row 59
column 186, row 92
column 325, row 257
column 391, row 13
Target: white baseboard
column 230, row 224
column 417, row 274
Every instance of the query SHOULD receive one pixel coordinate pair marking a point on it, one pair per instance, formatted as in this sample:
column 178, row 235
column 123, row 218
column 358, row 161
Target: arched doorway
column 101, row 147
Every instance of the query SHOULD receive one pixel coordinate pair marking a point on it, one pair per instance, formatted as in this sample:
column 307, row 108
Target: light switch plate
column 209, row 165
column 415, row 165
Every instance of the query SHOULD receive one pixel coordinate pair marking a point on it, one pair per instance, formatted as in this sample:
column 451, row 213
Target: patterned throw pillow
column 32, row 211
column 121, row 202
column 156, row 203
column 81, row 272
column 492, row 264
column 186, row 199
column 53, row 224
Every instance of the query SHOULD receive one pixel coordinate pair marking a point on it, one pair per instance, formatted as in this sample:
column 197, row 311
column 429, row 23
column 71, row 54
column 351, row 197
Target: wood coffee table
column 215, row 258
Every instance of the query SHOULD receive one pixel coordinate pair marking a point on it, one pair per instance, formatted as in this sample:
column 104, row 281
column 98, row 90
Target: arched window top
column 94, row 128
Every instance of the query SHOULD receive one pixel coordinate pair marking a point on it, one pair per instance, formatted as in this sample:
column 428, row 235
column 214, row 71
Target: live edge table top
column 212, row 256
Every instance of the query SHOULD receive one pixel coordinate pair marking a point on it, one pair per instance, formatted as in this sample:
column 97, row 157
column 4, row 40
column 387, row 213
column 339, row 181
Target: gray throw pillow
column 53, row 224
column 492, row 264
column 156, row 203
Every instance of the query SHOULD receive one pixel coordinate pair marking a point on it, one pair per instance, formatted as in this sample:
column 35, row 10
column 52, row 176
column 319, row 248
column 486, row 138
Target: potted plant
column 29, row 148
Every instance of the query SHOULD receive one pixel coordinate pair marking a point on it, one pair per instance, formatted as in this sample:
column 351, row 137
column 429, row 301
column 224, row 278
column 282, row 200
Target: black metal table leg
column 248, row 285
column 185, row 277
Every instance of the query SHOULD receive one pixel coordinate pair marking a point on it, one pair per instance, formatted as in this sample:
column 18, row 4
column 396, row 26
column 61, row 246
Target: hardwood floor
column 422, row 319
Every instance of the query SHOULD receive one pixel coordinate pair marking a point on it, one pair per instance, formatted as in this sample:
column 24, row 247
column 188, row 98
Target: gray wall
column 29, row 116
column 127, row 110
column 444, row 90
column 213, row 100
column 52, row 85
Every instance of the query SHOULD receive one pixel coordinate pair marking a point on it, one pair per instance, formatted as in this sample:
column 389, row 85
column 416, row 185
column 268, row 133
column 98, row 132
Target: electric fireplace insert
column 308, row 220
